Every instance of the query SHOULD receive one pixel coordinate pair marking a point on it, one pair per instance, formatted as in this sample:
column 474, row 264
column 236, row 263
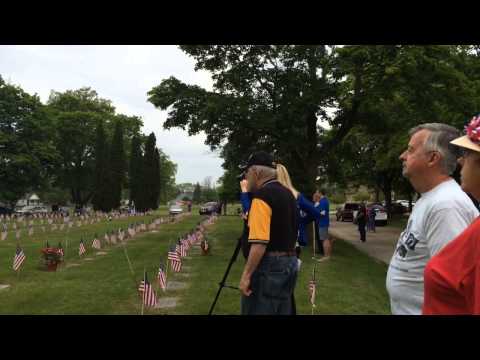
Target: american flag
column 181, row 249
column 149, row 298
column 96, row 244
column 60, row 249
column 174, row 257
column 312, row 288
column 162, row 278
column 148, row 295
column 18, row 259
column 81, row 249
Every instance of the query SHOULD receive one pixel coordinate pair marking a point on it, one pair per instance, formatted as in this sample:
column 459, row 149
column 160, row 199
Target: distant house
column 29, row 200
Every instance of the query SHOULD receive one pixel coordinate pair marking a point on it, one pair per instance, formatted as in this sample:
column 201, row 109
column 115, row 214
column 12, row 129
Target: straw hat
column 470, row 141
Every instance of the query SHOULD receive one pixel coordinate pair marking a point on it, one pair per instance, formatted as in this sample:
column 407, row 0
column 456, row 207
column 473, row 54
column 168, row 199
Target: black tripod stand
column 222, row 283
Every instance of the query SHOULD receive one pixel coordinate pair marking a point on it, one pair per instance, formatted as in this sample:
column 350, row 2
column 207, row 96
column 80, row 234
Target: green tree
column 402, row 86
column 136, row 173
column 117, row 166
column 101, row 175
column 76, row 113
column 28, row 155
column 197, row 194
column 150, row 183
column 168, row 170
column 156, row 179
column 265, row 98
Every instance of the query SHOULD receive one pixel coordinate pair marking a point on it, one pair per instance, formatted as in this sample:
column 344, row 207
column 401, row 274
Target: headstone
column 72, row 265
column 166, row 303
column 176, row 285
column 4, row 286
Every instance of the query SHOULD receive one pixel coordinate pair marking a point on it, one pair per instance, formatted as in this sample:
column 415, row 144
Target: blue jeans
column 272, row 285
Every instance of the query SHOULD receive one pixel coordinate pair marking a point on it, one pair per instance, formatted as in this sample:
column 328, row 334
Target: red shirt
column 452, row 276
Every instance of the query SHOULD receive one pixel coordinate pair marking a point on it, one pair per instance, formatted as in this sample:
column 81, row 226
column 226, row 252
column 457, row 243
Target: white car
column 175, row 209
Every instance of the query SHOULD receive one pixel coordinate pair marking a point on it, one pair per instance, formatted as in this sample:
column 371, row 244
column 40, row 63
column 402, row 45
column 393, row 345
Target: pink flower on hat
column 473, row 130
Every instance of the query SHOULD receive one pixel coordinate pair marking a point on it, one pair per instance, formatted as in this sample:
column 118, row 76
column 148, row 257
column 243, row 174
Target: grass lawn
column 350, row 283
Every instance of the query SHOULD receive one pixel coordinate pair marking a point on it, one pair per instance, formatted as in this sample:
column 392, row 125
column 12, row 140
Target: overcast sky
column 124, row 75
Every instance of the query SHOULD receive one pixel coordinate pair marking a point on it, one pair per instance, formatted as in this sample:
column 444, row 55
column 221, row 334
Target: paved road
column 380, row 245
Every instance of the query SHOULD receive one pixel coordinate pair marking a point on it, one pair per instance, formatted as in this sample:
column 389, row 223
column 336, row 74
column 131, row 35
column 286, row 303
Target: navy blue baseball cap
column 261, row 158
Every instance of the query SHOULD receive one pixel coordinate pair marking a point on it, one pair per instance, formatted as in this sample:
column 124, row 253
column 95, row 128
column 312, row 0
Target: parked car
column 381, row 217
column 5, row 211
column 175, row 209
column 64, row 210
column 25, row 210
column 398, row 208
column 208, row 208
column 40, row 210
column 346, row 211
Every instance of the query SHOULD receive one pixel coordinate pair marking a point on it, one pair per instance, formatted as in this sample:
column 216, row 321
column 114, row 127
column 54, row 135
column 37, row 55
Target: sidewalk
column 379, row 245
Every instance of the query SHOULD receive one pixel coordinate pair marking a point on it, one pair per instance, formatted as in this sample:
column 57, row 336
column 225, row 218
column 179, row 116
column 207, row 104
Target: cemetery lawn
column 350, row 283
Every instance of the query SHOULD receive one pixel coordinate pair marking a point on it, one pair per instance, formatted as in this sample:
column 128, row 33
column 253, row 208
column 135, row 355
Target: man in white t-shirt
column 442, row 212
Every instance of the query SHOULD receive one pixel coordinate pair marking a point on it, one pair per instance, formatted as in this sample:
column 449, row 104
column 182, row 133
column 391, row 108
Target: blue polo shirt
column 324, row 208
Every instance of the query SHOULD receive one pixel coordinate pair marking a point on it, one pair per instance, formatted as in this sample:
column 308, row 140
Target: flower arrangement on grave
column 52, row 257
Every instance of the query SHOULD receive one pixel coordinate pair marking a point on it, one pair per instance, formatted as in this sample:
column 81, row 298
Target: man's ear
column 435, row 157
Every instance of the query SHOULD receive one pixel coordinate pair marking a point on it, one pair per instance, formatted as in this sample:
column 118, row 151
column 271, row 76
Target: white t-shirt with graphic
column 438, row 217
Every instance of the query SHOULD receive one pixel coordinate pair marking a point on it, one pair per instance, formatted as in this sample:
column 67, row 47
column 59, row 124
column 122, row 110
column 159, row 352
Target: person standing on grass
column 441, row 214
column 323, row 222
column 270, row 274
column 362, row 221
column 371, row 218
column 452, row 276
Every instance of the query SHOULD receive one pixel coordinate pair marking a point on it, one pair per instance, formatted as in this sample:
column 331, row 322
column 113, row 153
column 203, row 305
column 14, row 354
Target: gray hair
column 265, row 172
column 439, row 140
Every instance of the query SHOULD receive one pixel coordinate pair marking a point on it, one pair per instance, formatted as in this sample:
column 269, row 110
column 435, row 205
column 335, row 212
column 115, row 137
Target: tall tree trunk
column 387, row 191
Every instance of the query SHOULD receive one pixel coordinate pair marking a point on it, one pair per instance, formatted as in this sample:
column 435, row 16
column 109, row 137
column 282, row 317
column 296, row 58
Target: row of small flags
column 110, row 238
column 174, row 256
column 67, row 222
column 18, row 232
column 51, row 217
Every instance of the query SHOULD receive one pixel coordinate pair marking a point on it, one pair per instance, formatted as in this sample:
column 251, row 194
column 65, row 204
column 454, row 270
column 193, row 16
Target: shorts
column 322, row 233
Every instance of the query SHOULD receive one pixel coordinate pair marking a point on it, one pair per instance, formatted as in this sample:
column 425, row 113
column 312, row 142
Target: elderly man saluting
column 270, row 274
column 441, row 214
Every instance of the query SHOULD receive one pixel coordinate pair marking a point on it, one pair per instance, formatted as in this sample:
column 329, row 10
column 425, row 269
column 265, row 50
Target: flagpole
column 66, row 245
column 144, row 288
column 314, row 240
column 166, row 270
column 18, row 271
column 130, row 266
column 313, row 303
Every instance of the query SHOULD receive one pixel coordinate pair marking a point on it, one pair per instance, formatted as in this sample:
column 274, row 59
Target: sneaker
column 325, row 258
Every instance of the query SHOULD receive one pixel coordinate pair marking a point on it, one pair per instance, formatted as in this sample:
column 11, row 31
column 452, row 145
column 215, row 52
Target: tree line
column 76, row 147
column 333, row 115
